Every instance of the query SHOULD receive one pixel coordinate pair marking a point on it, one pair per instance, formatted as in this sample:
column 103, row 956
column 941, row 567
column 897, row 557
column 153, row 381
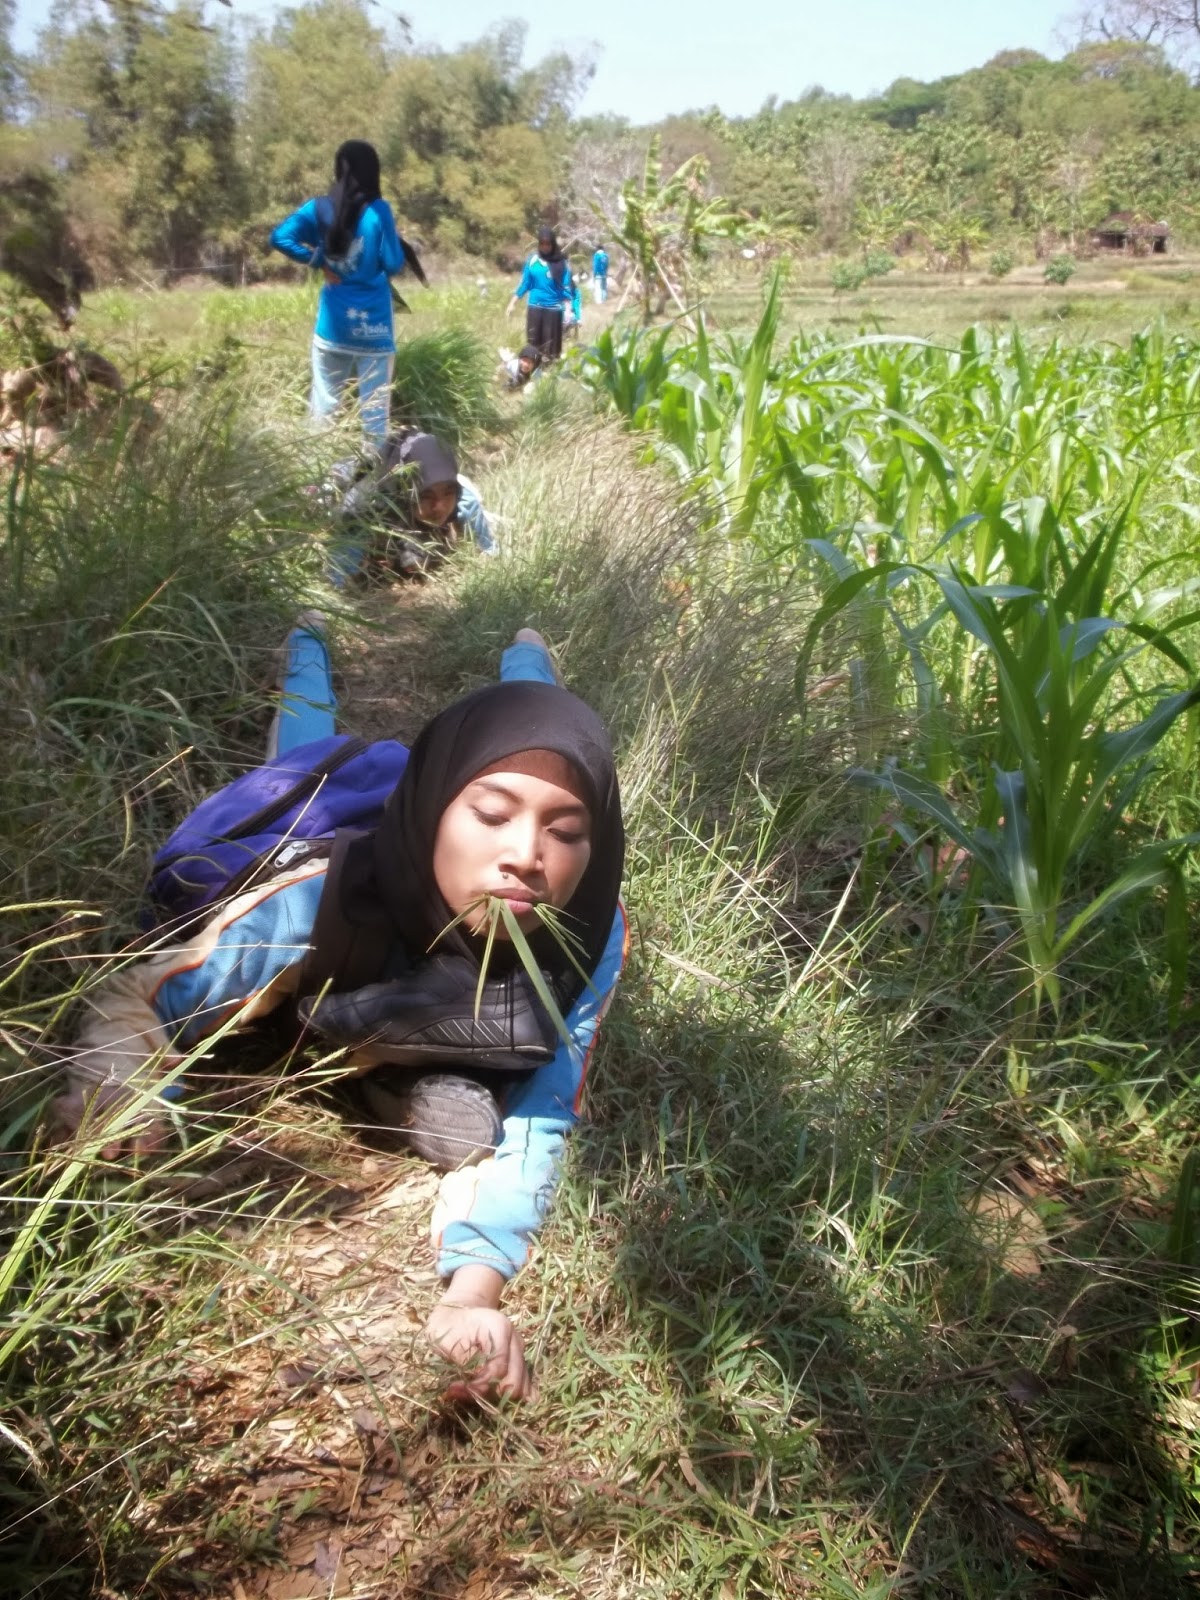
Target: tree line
column 173, row 140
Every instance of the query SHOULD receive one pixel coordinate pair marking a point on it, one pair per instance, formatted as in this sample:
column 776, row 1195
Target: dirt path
column 383, row 692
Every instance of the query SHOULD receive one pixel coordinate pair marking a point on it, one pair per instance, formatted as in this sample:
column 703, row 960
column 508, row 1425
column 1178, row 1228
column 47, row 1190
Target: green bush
column 145, row 579
column 1001, row 264
column 1060, row 269
column 848, row 275
column 443, row 384
column 878, row 263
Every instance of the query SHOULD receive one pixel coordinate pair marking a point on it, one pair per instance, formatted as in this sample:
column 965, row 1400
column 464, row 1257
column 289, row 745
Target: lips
column 519, row 904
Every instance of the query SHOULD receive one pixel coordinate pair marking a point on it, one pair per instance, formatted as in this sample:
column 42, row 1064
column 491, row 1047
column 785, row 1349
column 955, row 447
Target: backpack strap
column 343, row 955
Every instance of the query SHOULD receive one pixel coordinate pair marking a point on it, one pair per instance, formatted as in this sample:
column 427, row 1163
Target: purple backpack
column 268, row 819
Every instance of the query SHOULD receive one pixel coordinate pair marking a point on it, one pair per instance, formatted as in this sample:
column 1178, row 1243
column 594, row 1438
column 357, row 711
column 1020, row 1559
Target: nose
column 522, row 851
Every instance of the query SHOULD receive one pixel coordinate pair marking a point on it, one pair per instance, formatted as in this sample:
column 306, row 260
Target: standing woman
column 548, row 283
column 600, row 274
column 350, row 234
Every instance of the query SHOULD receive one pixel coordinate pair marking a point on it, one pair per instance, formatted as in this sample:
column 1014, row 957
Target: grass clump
column 443, row 384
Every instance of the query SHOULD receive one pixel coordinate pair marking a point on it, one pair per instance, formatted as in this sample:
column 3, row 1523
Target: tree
column 838, row 156
column 666, row 226
column 139, row 105
column 1173, row 24
column 9, row 75
column 605, row 154
column 474, row 143
column 316, row 57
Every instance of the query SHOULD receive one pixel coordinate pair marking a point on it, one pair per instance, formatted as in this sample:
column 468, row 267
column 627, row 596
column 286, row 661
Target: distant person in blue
column 351, row 235
column 548, row 283
column 600, row 275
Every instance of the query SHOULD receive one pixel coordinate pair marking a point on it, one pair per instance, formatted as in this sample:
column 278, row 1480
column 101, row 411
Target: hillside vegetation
column 175, row 137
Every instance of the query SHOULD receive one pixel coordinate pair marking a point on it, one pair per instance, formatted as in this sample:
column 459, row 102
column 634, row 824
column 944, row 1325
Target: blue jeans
column 308, row 705
column 333, row 371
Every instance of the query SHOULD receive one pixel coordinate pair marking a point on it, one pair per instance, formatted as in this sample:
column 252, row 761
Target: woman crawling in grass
column 415, row 497
column 507, row 811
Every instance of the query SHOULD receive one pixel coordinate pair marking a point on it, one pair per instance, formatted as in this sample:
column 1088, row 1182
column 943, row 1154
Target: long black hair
column 355, row 185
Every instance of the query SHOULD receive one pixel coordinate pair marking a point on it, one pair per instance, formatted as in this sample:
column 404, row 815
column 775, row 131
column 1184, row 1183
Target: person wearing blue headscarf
column 548, row 282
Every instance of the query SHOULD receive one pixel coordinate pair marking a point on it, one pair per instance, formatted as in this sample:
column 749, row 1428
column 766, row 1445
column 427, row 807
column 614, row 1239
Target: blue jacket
column 246, row 959
column 538, row 283
column 354, row 314
column 600, row 263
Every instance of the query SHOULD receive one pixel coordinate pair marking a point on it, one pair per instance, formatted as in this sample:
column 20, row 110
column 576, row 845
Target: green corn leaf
column 1151, row 869
column 1158, row 639
column 1130, row 744
column 911, row 790
column 1024, row 875
column 839, row 597
column 1159, row 599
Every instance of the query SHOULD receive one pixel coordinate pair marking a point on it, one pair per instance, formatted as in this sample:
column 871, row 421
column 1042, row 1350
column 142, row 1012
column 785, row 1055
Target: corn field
column 1001, row 547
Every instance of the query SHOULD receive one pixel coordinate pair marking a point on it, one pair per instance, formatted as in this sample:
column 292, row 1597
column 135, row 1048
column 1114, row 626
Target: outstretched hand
column 487, row 1346
column 468, row 1328
column 86, row 1107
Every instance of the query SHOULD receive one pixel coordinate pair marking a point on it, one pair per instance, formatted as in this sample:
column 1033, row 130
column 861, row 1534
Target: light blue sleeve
column 391, row 251
column 250, row 952
column 473, row 517
column 488, row 1214
column 299, row 236
column 525, row 284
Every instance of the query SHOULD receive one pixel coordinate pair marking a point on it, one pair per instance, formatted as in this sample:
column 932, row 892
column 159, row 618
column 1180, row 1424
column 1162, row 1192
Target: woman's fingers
column 476, row 1334
column 78, row 1111
column 516, row 1380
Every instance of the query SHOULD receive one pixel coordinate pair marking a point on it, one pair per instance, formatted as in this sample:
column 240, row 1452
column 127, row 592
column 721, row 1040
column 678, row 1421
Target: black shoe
column 448, row 1121
column 428, row 1018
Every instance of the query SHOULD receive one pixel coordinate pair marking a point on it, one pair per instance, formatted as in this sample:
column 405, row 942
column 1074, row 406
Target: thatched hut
column 1132, row 234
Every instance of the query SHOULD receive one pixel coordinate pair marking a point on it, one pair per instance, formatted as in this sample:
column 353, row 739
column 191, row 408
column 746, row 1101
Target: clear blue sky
column 659, row 56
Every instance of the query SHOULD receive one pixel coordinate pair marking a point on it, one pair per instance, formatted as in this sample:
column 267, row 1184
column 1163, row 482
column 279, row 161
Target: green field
column 874, row 1269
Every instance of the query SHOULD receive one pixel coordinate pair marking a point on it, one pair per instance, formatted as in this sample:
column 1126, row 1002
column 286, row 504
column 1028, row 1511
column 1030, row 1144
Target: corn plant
column 1002, row 529
column 1077, row 766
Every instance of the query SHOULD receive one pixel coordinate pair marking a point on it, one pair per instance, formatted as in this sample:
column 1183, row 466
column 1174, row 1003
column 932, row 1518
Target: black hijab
column 550, row 253
column 388, row 874
column 411, row 463
column 355, row 185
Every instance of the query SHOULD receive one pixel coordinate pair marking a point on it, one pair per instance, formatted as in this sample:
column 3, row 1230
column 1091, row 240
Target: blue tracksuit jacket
column 355, row 314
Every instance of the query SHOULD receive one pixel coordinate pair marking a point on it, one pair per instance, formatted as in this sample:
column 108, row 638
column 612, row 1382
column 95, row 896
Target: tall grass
column 146, row 571
column 443, row 384
column 836, row 1299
